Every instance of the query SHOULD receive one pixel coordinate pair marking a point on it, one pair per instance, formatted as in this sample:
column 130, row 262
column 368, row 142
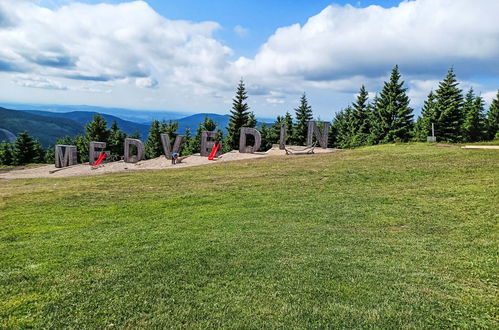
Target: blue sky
column 260, row 18
column 189, row 55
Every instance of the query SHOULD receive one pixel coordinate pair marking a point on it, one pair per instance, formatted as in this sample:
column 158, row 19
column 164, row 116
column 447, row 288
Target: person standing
column 174, row 158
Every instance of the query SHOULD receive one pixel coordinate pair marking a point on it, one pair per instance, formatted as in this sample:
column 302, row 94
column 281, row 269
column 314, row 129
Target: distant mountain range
column 46, row 129
column 192, row 122
column 138, row 116
column 49, row 126
column 83, row 117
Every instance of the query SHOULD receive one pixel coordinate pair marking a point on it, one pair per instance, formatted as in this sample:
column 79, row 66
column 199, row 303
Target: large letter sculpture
column 167, row 147
column 129, row 157
column 206, row 145
column 65, row 155
column 282, row 137
column 92, row 153
column 322, row 137
column 242, row 140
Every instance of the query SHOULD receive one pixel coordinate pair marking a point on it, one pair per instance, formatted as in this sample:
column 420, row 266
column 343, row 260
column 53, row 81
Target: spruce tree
column 50, row 155
column 153, row 144
column 135, row 135
column 187, row 148
column 39, row 153
column 473, row 128
column 422, row 128
column 252, row 122
column 373, row 130
column 393, row 116
column 239, row 117
column 25, row 150
column 303, row 116
column 116, row 140
column 6, row 154
column 170, row 128
column 81, row 144
column 266, row 133
column 493, row 119
column 275, row 133
column 360, row 118
column 449, row 116
column 288, row 119
column 96, row 130
column 343, row 129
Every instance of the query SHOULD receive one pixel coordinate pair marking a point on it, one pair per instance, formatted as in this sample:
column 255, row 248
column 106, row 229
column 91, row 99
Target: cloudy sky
column 189, row 55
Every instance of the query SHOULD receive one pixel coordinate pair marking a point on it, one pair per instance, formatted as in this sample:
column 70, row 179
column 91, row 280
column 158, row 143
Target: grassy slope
column 388, row 236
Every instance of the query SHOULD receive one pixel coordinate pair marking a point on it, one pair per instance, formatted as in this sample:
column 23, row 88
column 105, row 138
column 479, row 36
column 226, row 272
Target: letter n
column 322, row 137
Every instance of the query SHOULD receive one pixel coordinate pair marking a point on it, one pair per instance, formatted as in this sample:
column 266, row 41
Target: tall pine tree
column 96, row 130
column 393, row 116
column 422, row 128
column 116, row 140
column 25, row 150
column 267, row 137
column 360, row 118
column 153, row 144
column 493, row 119
column 6, row 153
column 239, row 117
column 187, row 143
column 288, row 119
column 39, row 156
column 81, row 144
column 449, row 114
column 342, row 129
column 473, row 128
column 275, row 133
column 303, row 116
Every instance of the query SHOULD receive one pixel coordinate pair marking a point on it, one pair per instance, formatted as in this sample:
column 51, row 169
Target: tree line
column 387, row 118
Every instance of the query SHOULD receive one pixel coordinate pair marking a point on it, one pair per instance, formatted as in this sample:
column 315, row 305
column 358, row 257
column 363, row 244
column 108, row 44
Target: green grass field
column 393, row 236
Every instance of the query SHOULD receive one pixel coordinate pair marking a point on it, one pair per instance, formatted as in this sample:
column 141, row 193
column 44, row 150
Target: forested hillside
column 46, row 129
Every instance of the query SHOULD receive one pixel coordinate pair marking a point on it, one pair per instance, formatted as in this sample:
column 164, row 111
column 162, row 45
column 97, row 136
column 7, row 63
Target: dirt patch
column 444, row 145
column 481, row 147
column 50, row 171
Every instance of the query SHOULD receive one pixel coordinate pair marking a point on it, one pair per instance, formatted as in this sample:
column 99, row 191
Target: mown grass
column 389, row 236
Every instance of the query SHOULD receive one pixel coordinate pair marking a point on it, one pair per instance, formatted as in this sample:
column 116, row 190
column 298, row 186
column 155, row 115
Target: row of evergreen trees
column 387, row 118
column 22, row 151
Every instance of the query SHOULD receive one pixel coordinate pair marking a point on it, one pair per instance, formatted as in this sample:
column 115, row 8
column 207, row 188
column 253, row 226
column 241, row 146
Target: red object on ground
column 100, row 159
column 214, row 151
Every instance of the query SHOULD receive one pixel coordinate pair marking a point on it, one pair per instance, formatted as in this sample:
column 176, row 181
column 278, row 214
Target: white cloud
column 34, row 81
column 109, row 42
column 147, row 82
column 421, row 36
column 241, row 31
column 488, row 96
column 127, row 53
